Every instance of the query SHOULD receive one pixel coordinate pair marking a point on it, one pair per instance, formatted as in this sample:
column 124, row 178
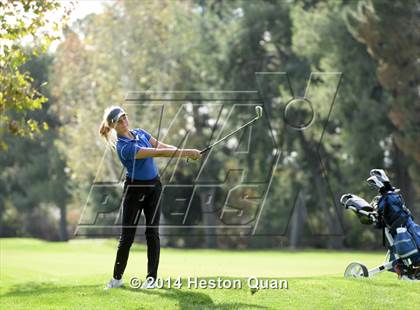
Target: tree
column 21, row 21
column 391, row 33
column 321, row 37
column 219, row 45
column 34, row 182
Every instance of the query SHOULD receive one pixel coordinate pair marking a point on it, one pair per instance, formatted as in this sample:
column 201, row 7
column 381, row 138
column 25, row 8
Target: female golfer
column 136, row 149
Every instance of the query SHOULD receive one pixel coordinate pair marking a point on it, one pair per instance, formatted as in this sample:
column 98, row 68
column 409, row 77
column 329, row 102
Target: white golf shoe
column 148, row 284
column 113, row 283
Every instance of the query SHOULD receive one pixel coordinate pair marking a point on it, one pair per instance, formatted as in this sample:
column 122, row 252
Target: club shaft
column 227, row 136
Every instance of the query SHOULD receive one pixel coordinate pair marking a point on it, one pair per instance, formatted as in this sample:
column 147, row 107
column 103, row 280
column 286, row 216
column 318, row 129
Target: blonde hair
column 106, row 131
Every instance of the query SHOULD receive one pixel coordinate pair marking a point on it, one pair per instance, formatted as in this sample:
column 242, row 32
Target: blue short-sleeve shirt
column 137, row 169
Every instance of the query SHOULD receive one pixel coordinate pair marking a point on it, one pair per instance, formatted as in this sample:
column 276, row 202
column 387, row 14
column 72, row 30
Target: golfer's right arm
column 167, row 152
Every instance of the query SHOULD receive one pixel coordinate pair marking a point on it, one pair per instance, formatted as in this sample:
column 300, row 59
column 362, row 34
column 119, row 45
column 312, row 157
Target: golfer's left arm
column 159, row 144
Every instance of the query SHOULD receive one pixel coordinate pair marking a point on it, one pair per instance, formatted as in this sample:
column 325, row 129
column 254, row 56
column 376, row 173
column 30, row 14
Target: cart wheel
column 356, row 270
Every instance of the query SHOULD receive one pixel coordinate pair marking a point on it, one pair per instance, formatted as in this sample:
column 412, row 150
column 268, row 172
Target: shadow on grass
column 29, row 289
column 185, row 299
column 391, row 283
column 194, row 300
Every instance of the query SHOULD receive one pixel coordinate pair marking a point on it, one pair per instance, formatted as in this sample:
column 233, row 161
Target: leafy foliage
column 213, row 45
column 23, row 21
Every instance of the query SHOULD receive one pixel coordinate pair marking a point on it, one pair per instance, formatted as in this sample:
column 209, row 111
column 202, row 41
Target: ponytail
column 104, row 130
column 107, row 131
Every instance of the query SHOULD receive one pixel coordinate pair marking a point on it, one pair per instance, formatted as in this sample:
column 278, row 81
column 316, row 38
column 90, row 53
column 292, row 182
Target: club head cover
column 374, row 182
column 380, row 175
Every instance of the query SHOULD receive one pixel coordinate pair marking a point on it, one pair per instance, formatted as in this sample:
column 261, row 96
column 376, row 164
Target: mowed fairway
column 44, row 275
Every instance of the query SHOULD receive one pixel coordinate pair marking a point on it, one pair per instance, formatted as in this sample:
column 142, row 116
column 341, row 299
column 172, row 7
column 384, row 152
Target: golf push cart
column 388, row 212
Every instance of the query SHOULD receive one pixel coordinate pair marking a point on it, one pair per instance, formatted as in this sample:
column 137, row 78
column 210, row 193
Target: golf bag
column 389, row 213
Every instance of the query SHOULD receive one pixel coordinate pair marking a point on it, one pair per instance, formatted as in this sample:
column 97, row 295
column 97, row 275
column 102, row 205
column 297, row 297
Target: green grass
column 41, row 275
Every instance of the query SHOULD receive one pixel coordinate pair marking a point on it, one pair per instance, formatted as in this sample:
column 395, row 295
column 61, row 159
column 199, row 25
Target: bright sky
column 85, row 7
column 79, row 9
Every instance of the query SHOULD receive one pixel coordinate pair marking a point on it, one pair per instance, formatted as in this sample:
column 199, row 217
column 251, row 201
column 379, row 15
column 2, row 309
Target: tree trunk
column 209, row 217
column 206, row 197
column 403, row 179
column 297, row 221
column 63, row 223
column 313, row 161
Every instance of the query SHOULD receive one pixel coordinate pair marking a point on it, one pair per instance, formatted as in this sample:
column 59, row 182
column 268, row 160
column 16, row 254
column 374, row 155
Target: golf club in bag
column 402, row 234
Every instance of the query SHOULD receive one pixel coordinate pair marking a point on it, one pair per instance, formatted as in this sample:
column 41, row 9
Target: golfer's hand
column 194, row 154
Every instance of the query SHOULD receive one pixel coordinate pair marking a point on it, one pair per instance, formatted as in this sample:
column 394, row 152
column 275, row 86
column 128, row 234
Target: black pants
column 140, row 195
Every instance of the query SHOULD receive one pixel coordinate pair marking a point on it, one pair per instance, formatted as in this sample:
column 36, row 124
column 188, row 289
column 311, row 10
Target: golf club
column 258, row 111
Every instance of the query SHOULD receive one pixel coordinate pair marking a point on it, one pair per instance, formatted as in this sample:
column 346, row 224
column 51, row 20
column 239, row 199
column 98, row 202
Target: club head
column 259, row 111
